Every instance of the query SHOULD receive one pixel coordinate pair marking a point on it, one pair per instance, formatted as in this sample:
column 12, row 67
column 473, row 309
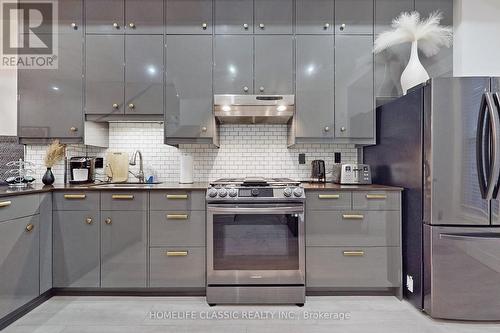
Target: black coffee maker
column 318, row 171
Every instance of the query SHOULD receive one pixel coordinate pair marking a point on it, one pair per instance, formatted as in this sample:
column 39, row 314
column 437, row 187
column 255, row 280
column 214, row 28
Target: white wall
column 476, row 38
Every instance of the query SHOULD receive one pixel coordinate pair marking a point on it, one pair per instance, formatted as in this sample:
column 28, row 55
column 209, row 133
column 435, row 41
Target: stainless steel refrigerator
column 441, row 142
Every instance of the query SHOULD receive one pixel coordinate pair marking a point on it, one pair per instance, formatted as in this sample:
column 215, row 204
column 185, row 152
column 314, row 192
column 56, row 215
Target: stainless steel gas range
column 255, row 242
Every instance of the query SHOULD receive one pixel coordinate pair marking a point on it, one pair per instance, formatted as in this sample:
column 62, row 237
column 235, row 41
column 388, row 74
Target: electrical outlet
column 302, row 158
column 337, row 158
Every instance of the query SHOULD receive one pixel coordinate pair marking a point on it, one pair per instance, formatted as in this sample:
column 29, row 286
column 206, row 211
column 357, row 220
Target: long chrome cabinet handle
column 353, row 253
column 353, row 216
column 5, row 204
column 376, row 196
column 329, row 196
column 177, row 253
column 177, row 196
column 122, row 196
column 74, row 196
column 177, row 216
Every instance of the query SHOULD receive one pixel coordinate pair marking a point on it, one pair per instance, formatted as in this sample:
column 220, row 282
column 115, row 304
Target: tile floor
column 137, row 314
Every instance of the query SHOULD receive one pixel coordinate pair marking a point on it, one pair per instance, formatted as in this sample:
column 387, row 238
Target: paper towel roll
column 186, row 169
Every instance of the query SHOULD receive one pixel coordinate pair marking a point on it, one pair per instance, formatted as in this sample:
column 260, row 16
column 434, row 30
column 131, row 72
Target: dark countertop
column 338, row 187
column 38, row 188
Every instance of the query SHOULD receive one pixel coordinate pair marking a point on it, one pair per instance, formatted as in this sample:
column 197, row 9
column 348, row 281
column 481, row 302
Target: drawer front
column 170, row 228
column 179, row 267
column 353, row 267
column 124, row 200
column 178, row 200
column 376, row 200
column 369, row 228
column 18, row 206
column 74, row 200
column 328, row 200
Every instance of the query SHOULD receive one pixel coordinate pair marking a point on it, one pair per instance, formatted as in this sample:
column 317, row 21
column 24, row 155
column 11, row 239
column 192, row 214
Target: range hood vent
column 254, row 109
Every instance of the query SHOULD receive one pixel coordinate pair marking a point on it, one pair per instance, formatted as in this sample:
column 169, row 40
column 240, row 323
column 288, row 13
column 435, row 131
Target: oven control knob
column 233, row 192
column 222, row 192
column 212, row 193
column 287, row 192
column 255, row 192
column 298, row 192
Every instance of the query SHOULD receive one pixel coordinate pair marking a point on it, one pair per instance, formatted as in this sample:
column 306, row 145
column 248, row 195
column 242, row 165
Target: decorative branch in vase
column 55, row 153
column 427, row 35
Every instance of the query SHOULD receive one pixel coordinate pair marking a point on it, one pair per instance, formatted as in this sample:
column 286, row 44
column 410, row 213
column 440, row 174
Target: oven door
column 255, row 244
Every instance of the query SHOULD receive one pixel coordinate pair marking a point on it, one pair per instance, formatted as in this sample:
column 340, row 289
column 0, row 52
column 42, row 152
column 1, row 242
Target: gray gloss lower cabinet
column 188, row 89
column 76, row 260
column 353, row 267
column 274, row 64
column 144, row 74
column 19, row 263
column 177, row 267
column 105, row 74
column 315, row 87
column 354, row 98
column 123, row 249
column 51, row 100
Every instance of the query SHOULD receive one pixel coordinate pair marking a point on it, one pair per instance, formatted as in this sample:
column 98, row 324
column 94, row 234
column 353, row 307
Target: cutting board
column 117, row 166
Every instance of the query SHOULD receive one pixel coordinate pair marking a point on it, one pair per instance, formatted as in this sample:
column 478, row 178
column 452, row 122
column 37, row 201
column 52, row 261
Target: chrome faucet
column 140, row 175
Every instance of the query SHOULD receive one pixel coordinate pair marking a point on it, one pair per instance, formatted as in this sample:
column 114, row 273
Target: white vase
column 414, row 73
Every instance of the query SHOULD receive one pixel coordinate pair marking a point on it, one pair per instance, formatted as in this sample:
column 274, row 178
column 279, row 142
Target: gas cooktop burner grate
column 255, row 182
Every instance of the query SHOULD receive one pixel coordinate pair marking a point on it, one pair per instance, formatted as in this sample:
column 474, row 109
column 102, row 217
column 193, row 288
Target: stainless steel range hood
column 254, row 109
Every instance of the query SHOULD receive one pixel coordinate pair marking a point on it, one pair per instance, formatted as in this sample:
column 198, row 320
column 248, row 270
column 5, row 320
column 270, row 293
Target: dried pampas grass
column 55, row 153
column 409, row 28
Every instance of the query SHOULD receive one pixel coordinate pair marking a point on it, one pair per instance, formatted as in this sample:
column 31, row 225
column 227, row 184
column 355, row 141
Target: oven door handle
column 257, row 210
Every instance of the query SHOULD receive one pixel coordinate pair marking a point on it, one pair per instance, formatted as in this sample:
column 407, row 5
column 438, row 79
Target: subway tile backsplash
column 245, row 150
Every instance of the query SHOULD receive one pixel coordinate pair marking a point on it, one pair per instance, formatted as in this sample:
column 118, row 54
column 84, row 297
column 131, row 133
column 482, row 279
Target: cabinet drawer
column 170, row 228
column 118, row 200
column 328, row 200
column 178, row 200
column 353, row 267
column 374, row 228
column 76, row 201
column 376, row 200
column 179, row 267
column 18, row 206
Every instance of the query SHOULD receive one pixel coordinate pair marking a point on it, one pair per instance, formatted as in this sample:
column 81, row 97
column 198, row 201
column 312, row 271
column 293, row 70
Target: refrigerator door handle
column 488, row 178
column 471, row 236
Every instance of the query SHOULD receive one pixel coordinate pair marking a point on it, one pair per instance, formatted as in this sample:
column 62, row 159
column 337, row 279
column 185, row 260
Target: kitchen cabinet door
column 69, row 17
column 51, row 100
column 233, row 65
column 123, row 249
column 354, row 17
column 425, row 7
column 76, row 261
column 104, row 16
column 387, row 10
column 19, row 263
column 315, row 73
column 189, row 17
column 274, row 65
column 314, row 16
column 104, row 80
column 144, row 17
column 273, row 17
column 188, row 88
column 144, row 74
column 354, row 101
column 233, row 16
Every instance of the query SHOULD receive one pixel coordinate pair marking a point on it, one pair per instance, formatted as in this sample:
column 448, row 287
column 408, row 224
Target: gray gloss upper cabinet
column 189, row 17
column 19, row 263
column 354, row 100
column 233, row 16
column 354, row 16
column 233, row 64
column 315, row 86
column 314, row 16
column 144, row 17
column 105, row 16
column 70, row 16
column 425, row 7
column 105, row 74
column 188, row 88
column 76, row 261
column 274, row 64
column 123, row 249
column 144, row 74
column 50, row 100
column 273, row 16
column 387, row 10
